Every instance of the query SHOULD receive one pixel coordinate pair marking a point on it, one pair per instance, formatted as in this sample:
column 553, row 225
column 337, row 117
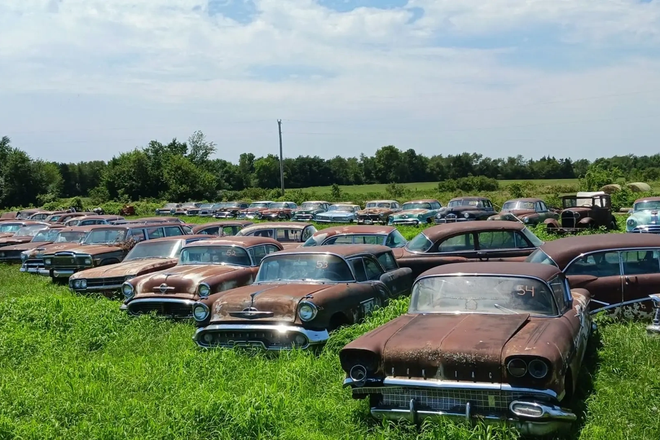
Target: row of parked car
column 497, row 326
column 579, row 211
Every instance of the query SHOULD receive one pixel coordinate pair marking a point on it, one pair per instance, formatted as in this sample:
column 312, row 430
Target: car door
column 502, row 246
column 453, row 249
column 400, row 278
column 212, row 230
column 641, row 277
column 600, row 274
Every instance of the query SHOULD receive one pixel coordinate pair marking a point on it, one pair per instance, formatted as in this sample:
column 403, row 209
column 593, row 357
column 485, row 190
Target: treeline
column 180, row 171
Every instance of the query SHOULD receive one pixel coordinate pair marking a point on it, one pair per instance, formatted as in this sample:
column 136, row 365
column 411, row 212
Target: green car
column 416, row 212
column 308, row 210
column 644, row 216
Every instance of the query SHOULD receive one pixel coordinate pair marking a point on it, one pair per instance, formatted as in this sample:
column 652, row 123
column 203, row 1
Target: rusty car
column 32, row 260
column 42, row 236
column 229, row 227
column 620, row 270
column 309, row 210
column 278, row 211
column 61, row 218
column 43, row 215
column 584, row 210
column 358, row 234
column 105, row 245
column 300, row 295
column 345, row 212
column 497, row 342
column 377, row 211
column 461, row 209
column 9, row 228
column 204, row 268
column 254, row 210
column 644, row 216
column 290, row 234
column 24, row 234
column 416, row 212
column 93, row 220
column 168, row 209
column 230, row 209
column 498, row 240
column 146, row 257
column 530, row 211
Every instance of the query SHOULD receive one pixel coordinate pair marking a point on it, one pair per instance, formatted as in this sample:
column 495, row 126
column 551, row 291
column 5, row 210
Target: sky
column 89, row 79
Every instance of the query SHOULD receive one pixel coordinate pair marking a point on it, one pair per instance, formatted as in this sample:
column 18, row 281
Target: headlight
column 203, row 290
column 200, row 311
column 631, row 222
column 358, row 374
column 2, row 254
column 128, row 290
column 466, row 215
column 24, row 256
column 516, row 367
column 130, row 277
column 83, row 283
column 48, row 261
column 538, row 369
column 88, row 261
column 307, row 311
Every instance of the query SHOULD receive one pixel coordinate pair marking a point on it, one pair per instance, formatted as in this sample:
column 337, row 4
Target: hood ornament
column 251, row 311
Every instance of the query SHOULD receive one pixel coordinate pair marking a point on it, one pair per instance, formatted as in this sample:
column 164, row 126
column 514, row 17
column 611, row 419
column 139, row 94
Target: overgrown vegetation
column 74, row 367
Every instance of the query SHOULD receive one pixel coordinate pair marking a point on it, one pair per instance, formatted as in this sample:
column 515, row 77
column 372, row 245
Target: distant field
column 421, row 186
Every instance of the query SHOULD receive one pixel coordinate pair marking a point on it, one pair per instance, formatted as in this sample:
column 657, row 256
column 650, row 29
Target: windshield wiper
column 505, row 309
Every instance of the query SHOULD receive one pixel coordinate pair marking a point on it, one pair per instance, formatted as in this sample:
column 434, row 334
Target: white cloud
column 437, row 82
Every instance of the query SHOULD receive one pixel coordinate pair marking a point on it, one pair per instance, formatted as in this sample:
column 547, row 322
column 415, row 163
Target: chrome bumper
column 63, row 273
column 647, row 229
column 97, row 288
column 248, row 336
column 368, row 221
column 334, row 220
column 408, row 221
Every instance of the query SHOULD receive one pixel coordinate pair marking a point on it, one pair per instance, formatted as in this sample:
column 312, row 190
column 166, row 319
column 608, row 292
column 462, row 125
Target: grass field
column 74, row 367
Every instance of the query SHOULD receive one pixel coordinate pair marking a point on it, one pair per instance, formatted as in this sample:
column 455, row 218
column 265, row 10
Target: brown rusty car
column 584, row 210
column 497, row 240
column 145, row 257
column 254, row 210
column 229, row 227
column 229, row 209
column 377, row 211
column 290, row 234
column 279, row 211
column 620, row 270
column 499, row 342
column 530, row 211
column 24, row 234
column 93, row 220
column 462, row 209
column 300, row 295
column 105, row 245
column 42, row 236
column 358, row 234
column 32, row 259
column 204, row 268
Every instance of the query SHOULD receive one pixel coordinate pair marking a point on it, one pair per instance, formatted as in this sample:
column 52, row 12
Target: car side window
column 559, row 291
column 137, row 234
column 372, row 268
column 210, row 231
column 521, row 241
column 496, row 240
column 358, row 267
column 457, row 243
column 641, row 262
column 263, row 233
column 308, row 232
column 339, row 239
column 228, row 230
column 542, row 207
column 387, row 261
column 155, row 233
column 395, row 240
column 258, row 253
column 270, row 248
column 435, row 205
column 288, row 235
column 598, row 264
column 172, row 231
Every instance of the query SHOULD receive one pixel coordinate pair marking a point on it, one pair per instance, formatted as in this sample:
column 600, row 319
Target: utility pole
column 279, row 129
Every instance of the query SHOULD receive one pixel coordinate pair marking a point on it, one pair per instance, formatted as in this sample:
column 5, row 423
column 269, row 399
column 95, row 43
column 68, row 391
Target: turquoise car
column 416, row 212
column 644, row 216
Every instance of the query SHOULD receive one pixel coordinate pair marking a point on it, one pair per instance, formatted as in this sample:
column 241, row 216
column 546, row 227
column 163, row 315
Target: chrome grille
column 648, row 229
column 483, row 402
column 102, row 282
column 178, row 310
column 230, row 338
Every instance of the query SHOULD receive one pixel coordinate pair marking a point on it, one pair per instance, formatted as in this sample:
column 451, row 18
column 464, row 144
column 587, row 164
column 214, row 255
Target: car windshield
column 155, row 249
column 482, row 294
column 259, row 205
column 29, row 231
column 105, row 236
column 206, row 205
column 172, row 205
column 203, row 255
column 69, row 237
column 10, row 228
column 517, row 204
column 54, row 218
column 44, row 235
column 304, row 267
column 378, row 205
column 344, row 208
column 466, row 202
column 39, row 216
column 420, row 243
column 416, row 205
column 538, row 256
column 647, row 206
column 310, row 206
column 220, row 205
column 278, row 205
column 189, row 205
column 231, row 205
column 536, row 242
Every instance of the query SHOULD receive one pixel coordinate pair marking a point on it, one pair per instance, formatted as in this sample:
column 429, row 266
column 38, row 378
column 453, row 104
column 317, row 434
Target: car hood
column 26, row 246
column 91, row 249
column 338, row 213
column 6, row 234
column 374, row 211
column 451, row 347
column 411, row 212
column 459, row 209
column 642, row 216
column 255, row 210
column 52, row 248
column 276, row 301
column 275, row 211
column 183, row 279
column 127, row 268
column 14, row 239
column 517, row 212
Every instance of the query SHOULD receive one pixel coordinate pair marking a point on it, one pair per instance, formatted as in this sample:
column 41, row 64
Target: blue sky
column 88, row 79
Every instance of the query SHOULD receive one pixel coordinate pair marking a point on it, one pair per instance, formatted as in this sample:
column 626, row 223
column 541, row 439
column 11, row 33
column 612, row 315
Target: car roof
column 199, row 226
column 79, row 228
column 564, row 250
column 315, row 201
column 187, row 238
column 543, row 271
column 356, row 229
column 525, row 199
column 274, row 225
column 439, row 232
column 648, row 199
column 381, row 201
column 422, row 201
column 345, row 250
column 470, row 198
column 235, row 241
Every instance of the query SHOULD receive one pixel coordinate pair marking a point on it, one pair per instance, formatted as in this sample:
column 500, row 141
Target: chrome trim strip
column 449, row 384
column 186, row 302
column 624, row 248
column 621, row 304
column 98, row 288
column 313, row 337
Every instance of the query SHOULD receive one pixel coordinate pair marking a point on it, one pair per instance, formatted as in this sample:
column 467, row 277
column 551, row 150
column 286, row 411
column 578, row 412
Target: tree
column 200, row 149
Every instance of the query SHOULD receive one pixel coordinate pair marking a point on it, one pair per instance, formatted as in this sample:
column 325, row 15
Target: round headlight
column 128, row 290
column 358, row 374
column 203, row 290
column 200, row 311
column 631, row 222
column 83, row 283
column 516, row 367
column 307, row 311
column 2, row 254
column 88, row 261
column 466, row 215
column 538, row 369
column 48, row 261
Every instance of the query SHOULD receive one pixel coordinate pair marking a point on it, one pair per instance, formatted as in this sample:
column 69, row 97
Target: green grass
column 426, row 186
column 75, row 367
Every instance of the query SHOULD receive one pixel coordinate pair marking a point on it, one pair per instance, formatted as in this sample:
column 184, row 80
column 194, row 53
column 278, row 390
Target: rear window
column 420, row 243
column 538, row 256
